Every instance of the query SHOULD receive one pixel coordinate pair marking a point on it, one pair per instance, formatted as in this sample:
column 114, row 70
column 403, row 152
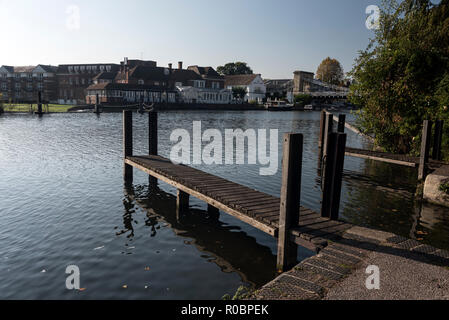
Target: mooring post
column 425, row 149
column 437, row 140
column 182, row 204
column 39, row 102
column 333, row 176
column 341, row 123
column 322, row 125
column 128, row 144
column 290, row 200
column 328, row 128
column 153, row 138
column 97, row 104
column 213, row 212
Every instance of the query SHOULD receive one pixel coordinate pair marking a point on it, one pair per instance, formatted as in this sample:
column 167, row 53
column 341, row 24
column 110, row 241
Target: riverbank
column 27, row 108
column 407, row 269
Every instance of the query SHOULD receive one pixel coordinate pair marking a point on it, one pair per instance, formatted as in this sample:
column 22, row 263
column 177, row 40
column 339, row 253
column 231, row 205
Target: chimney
column 170, row 66
column 180, row 65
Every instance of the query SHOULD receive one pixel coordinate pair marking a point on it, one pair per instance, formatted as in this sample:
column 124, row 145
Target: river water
column 62, row 202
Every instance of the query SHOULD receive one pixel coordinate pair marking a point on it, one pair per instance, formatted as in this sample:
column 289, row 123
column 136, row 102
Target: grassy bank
column 28, row 108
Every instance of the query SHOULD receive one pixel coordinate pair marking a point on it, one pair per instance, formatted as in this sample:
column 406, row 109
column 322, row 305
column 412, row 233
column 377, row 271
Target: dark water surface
column 62, row 202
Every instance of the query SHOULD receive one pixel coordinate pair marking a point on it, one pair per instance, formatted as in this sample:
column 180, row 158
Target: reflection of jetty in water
column 227, row 246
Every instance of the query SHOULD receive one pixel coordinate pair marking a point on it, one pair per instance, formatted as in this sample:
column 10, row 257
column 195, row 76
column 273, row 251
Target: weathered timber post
column 341, row 123
column 97, row 104
column 213, row 212
column 437, row 140
column 328, row 128
column 128, row 144
column 152, row 141
column 322, row 125
column 39, row 102
column 333, row 176
column 152, row 136
column 182, row 204
column 425, row 149
column 290, row 200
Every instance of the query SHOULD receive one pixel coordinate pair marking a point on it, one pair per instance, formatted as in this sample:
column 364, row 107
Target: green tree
column 330, row 71
column 234, row 68
column 402, row 77
column 238, row 93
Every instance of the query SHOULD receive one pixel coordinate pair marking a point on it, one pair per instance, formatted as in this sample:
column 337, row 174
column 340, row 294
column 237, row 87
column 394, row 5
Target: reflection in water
column 218, row 241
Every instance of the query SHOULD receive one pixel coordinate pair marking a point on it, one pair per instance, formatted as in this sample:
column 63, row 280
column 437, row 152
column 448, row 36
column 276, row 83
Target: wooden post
column 39, row 102
column 425, row 149
column 341, row 123
column 333, row 176
column 97, row 104
column 128, row 144
column 213, row 212
column 329, row 127
column 182, row 204
column 322, row 125
column 152, row 137
column 290, row 200
column 437, row 140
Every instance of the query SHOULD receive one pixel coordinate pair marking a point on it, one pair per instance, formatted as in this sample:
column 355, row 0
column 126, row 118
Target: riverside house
column 252, row 83
column 152, row 84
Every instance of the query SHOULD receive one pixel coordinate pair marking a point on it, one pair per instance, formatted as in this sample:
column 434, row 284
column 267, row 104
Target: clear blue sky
column 273, row 37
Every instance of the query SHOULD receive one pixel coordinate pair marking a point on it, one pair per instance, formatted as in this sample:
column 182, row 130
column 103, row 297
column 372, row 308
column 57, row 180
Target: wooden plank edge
column 253, row 222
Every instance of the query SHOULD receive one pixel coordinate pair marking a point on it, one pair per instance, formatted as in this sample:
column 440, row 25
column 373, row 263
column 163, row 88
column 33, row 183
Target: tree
column 402, row 78
column 236, row 68
column 330, row 71
column 239, row 93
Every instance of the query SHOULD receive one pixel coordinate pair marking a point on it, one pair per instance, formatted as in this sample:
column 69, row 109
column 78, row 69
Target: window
column 141, row 82
column 17, row 86
column 215, row 85
column 4, row 87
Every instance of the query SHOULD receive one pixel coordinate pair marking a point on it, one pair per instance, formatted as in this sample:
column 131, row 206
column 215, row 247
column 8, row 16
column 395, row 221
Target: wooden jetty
column 424, row 162
column 282, row 218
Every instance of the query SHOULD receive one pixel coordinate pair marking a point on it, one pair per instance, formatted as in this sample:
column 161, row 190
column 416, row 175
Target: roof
column 48, row 68
column 26, row 69
column 64, row 68
column 206, row 72
column 8, row 68
column 105, row 76
column 123, row 86
column 240, row 80
column 146, row 73
column 182, row 75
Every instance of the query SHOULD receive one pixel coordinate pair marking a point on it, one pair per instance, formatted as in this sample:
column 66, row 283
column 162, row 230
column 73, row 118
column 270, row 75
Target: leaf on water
column 125, row 287
column 147, row 268
column 82, row 289
column 422, row 233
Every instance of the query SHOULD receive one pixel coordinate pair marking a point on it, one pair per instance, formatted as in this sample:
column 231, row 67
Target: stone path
column 408, row 270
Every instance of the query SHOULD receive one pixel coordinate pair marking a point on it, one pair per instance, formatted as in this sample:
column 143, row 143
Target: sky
column 275, row 37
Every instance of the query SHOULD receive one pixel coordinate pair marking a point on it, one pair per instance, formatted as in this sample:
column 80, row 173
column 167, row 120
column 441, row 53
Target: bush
column 253, row 102
column 444, row 187
column 402, row 78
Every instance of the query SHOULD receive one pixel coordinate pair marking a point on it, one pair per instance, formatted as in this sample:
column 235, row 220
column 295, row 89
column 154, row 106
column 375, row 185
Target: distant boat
column 308, row 107
column 278, row 106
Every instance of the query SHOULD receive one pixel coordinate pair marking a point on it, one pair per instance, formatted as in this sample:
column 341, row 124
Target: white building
column 252, row 83
column 188, row 94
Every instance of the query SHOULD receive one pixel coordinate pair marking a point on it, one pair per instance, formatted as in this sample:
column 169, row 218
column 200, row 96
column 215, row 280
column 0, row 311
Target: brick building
column 22, row 84
column 74, row 79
